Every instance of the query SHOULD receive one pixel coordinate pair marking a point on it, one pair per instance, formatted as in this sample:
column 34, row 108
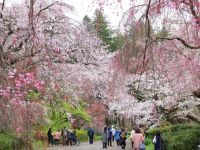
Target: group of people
column 110, row 134
column 137, row 138
column 64, row 137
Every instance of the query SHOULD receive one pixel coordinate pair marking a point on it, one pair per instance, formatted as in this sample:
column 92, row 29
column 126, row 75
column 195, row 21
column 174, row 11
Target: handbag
column 142, row 146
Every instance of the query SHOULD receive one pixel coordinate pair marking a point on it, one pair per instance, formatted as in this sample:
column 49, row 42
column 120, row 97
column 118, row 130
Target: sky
column 113, row 9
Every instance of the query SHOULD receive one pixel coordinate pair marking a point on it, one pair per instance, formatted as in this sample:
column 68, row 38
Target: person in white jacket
column 131, row 137
column 113, row 133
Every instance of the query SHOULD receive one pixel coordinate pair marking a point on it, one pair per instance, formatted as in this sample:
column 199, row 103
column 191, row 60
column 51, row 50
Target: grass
column 150, row 147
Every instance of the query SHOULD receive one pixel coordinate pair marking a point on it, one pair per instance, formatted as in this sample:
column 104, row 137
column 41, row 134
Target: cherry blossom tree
column 42, row 42
column 161, row 51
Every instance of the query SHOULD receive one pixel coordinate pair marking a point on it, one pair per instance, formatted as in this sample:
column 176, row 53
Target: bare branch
column 179, row 39
column 44, row 9
column 148, row 28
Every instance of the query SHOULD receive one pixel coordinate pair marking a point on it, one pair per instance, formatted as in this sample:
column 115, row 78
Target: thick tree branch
column 178, row 39
column 147, row 19
column 148, row 31
column 2, row 7
column 193, row 118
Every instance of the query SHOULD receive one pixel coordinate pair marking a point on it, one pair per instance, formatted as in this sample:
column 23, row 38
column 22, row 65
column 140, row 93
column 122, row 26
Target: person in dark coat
column 50, row 137
column 109, row 134
column 69, row 137
column 123, row 138
column 158, row 142
column 90, row 135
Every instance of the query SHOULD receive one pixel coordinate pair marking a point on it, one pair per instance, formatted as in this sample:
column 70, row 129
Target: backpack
column 123, row 135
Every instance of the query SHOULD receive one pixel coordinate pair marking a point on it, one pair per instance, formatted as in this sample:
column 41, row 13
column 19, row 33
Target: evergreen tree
column 102, row 29
column 101, row 26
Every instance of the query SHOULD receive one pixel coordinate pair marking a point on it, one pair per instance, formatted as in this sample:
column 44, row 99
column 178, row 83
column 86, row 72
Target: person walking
column 74, row 138
column 138, row 140
column 117, row 136
column 113, row 133
column 50, row 137
column 109, row 134
column 90, row 135
column 57, row 137
column 69, row 137
column 123, row 138
column 131, row 137
column 64, row 136
column 104, row 138
column 158, row 142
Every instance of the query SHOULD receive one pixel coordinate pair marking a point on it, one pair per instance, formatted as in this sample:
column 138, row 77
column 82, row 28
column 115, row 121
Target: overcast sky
column 112, row 9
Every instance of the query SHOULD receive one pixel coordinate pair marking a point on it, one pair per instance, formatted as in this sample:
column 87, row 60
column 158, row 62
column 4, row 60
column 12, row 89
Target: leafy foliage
column 8, row 141
column 179, row 137
column 33, row 95
column 83, row 137
column 62, row 113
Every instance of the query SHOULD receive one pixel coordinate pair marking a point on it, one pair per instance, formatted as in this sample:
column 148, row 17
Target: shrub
column 97, row 137
column 147, row 141
column 6, row 141
column 83, row 137
column 179, row 137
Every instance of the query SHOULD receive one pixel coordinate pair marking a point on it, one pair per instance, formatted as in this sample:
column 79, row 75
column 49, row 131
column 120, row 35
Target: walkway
column 87, row 146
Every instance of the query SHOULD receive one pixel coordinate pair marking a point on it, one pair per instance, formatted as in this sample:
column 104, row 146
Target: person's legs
column 123, row 143
column 117, row 142
column 91, row 140
column 104, row 145
column 109, row 141
column 56, row 141
column 51, row 141
column 70, row 142
column 67, row 142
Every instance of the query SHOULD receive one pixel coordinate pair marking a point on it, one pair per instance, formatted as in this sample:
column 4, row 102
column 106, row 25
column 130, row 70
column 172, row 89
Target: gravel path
column 87, row 146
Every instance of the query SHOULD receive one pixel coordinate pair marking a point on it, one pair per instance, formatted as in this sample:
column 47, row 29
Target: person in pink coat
column 138, row 139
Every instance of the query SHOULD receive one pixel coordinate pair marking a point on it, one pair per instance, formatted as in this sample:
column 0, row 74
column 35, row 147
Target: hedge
column 83, row 137
column 179, row 137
